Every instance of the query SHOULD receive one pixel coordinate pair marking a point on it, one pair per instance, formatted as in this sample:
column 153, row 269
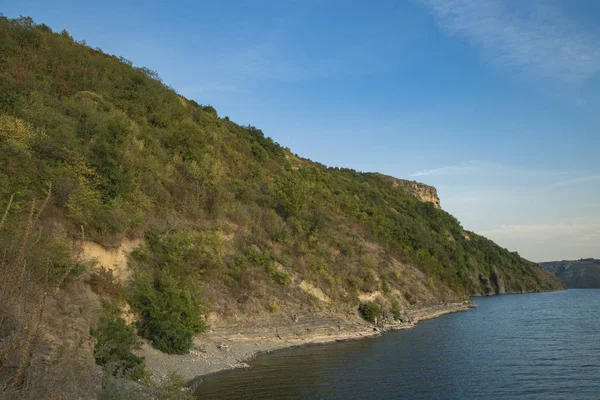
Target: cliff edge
column 576, row 274
column 419, row 190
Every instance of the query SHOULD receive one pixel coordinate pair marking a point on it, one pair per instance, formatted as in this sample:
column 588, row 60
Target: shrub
column 370, row 281
column 170, row 311
column 397, row 312
column 170, row 336
column 115, row 341
column 260, row 154
column 279, row 275
column 209, row 109
column 291, row 194
column 237, row 269
column 273, row 305
column 385, row 286
column 173, row 250
column 183, row 252
column 275, row 272
column 370, row 311
column 354, row 282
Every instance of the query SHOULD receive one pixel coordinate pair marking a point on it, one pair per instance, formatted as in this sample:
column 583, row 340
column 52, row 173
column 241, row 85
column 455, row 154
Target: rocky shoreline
column 233, row 345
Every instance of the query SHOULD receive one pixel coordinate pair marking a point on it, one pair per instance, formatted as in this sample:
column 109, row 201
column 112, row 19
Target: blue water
column 530, row 346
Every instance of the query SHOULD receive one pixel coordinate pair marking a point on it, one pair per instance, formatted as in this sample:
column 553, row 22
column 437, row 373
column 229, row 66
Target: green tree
column 291, row 193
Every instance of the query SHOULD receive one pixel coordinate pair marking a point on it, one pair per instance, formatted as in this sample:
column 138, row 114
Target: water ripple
column 538, row 347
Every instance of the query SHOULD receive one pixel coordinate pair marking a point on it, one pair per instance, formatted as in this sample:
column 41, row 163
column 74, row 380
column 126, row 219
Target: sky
column 494, row 102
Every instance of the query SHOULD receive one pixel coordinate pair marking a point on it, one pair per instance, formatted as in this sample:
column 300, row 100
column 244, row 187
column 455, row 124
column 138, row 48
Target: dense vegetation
column 232, row 222
column 115, row 341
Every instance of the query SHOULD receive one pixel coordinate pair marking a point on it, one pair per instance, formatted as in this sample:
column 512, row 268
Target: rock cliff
column 419, row 190
column 583, row 273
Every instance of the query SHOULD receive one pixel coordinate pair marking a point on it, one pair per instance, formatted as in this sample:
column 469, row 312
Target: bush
column 273, row 305
column 115, row 341
column 397, row 312
column 385, row 286
column 370, row 311
column 170, row 311
column 172, row 251
column 183, row 252
column 170, row 337
column 265, row 259
column 279, row 275
column 354, row 282
column 291, row 194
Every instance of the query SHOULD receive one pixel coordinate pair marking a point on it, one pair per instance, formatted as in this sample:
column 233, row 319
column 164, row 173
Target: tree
column 291, row 194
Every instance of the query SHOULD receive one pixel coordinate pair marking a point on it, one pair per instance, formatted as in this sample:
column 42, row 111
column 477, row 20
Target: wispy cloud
column 566, row 227
column 572, row 239
column 490, row 169
column 541, row 42
column 581, row 179
column 451, row 170
column 210, row 88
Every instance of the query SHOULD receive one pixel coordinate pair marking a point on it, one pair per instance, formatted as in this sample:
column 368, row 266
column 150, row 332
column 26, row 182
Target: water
column 531, row 346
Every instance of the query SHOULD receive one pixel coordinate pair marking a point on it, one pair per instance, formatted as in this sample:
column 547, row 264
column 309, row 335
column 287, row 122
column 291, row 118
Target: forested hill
column 228, row 221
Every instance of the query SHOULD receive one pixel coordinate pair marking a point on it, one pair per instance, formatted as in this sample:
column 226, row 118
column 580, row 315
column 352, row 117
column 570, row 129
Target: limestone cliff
column 584, row 273
column 420, row 190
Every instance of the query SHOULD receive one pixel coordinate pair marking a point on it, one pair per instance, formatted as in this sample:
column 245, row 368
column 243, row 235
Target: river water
column 529, row 346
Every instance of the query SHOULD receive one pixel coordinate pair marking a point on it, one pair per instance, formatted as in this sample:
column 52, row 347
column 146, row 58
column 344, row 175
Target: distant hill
column 583, row 273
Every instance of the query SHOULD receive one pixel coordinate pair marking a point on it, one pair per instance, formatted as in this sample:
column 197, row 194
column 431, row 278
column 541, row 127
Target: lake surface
column 529, row 346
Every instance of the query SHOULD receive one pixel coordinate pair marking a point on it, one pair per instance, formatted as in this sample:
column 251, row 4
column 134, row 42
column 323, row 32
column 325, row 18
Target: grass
column 21, row 311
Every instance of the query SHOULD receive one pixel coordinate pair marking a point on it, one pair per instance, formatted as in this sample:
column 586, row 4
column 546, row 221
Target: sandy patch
column 314, row 291
column 114, row 259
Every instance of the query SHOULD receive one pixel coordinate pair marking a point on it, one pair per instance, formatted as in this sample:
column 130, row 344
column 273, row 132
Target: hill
column 582, row 274
column 193, row 219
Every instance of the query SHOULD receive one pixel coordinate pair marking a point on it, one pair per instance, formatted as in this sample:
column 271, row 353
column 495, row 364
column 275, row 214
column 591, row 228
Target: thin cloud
column 450, row 170
column 483, row 168
column 581, row 179
column 547, row 230
column 211, row 88
column 570, row 239
column 541, row 43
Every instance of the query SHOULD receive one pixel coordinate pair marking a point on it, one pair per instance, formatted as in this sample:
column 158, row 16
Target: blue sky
column 494, row 102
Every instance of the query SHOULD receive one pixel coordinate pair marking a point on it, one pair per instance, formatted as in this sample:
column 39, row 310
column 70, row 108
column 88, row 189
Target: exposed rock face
column 498, row 281
column 486, row 285
column 114, row 259
column 584, row 273
column 421, row 191
column 492, row 285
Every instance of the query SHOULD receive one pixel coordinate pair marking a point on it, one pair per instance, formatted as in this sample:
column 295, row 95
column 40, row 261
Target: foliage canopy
column 129, row 157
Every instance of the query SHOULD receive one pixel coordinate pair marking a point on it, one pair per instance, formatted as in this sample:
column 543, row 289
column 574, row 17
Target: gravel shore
column 232, row 345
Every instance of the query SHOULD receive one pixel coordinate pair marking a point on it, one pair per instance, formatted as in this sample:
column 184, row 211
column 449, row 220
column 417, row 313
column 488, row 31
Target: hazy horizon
column 492, row 102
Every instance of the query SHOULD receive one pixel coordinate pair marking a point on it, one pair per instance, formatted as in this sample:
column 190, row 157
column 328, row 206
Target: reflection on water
column 536, row 346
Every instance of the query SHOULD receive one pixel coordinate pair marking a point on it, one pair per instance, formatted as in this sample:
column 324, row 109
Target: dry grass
column 23, row 299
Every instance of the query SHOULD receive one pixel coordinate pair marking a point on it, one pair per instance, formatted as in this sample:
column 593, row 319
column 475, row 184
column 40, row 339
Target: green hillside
column 231, row 223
